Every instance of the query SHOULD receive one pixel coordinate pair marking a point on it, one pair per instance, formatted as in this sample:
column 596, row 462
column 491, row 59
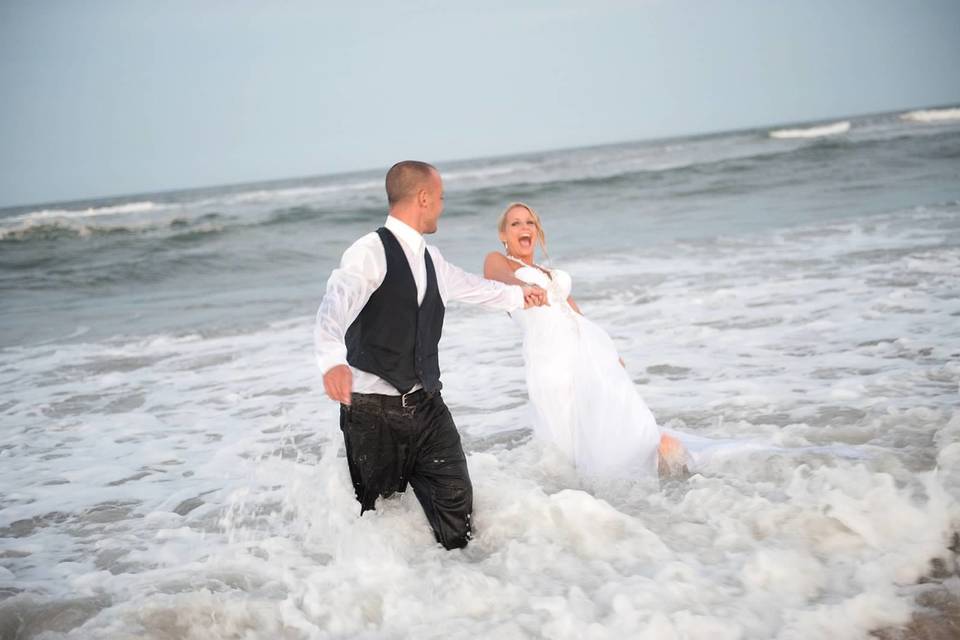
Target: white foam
column 191, row 486
column 818, row 131
column 932, row 115
column 42, row 215
column 475, row 175
column 307, row 193
column 149, row 214
column 132, row 216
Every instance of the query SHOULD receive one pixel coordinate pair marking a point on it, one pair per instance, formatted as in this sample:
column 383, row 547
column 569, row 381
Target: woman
column 584, row 402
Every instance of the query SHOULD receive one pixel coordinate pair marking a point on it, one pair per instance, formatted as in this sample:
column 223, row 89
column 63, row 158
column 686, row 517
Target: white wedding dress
column 583, row 400
column 585, row 403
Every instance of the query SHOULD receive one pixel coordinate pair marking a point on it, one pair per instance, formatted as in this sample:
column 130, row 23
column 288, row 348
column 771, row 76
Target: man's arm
column 472, row 289
column 362, row 269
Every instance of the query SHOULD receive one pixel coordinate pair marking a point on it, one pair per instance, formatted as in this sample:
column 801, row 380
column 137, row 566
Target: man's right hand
column 338, row 383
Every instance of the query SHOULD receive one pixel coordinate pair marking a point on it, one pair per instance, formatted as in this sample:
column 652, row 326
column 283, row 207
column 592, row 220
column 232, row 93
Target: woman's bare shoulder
column 497, row 266
column 498, row 259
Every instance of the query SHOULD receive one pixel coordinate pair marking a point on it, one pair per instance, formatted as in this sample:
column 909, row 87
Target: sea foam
column 89, row 212
column 193, row 486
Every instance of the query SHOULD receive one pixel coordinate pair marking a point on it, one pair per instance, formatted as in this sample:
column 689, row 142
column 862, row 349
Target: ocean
column 170, row 467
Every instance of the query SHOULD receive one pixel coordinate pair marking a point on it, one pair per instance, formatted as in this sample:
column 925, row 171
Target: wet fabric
column 584, row 401
column 390, row 447
column 394, row 337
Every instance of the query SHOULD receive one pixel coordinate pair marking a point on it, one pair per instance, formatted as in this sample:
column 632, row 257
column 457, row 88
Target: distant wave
column 91, row 212
column 727, row 174
column 54, row 230
column 300, row 193
column 250, row 197
column 454, row 175
column 932, row 115
column 59, row 228
column 818, row 131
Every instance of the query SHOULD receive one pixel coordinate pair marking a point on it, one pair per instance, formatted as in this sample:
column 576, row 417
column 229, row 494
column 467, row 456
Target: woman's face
column 519, row 233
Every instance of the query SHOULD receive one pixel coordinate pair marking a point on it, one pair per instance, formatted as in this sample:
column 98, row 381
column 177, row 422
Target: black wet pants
column 389, row 446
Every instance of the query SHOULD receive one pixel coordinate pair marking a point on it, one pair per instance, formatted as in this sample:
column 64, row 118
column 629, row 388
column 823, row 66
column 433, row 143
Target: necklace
column 532, row 264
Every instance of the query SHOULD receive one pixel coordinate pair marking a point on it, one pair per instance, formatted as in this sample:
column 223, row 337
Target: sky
column 110, row 97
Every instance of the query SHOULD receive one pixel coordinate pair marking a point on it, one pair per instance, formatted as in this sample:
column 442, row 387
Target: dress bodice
column 557, row 284
column 544, row 324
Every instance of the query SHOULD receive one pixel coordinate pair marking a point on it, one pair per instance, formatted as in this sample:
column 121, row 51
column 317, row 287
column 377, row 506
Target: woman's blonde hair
column 541, row 237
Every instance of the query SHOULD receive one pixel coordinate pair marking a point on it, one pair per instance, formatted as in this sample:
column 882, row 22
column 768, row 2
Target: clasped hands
column 533, row 296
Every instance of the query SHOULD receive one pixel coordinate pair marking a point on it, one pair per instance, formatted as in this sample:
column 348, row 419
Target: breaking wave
column 89, row 212
column 818, row 131
column 932, row 115
column 56, row 229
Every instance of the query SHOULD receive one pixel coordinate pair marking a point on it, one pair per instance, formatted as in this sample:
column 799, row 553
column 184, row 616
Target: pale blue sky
column 104, row 97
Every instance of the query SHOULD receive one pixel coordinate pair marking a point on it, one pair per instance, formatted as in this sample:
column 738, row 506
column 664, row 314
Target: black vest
column 392, row 337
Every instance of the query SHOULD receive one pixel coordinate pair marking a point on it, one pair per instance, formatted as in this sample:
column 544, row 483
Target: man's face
column 433, row 205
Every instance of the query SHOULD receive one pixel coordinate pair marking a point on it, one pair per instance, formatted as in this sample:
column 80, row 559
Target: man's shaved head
column 405, row 178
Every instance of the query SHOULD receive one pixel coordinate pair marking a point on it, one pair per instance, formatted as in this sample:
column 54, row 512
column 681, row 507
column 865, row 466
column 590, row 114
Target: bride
column 584, row 401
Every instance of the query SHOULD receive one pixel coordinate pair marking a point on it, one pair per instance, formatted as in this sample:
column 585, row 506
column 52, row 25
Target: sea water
column 170, row 467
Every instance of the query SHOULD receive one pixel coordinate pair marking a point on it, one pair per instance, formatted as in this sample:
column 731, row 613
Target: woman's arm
column 497, row 267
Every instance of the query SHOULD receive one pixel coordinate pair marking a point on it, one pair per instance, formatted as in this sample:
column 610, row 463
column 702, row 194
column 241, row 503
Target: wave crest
column 57, row 229
column 818, row 131
column 90, row 212
column 932, row 115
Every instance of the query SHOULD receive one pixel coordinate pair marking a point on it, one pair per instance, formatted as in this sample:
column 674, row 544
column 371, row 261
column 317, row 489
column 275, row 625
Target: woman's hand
column 533, row 296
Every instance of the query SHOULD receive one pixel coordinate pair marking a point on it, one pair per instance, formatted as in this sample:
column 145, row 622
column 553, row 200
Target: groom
column 376, row 339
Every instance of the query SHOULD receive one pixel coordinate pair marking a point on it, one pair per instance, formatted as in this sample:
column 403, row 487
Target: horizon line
column 129, row 196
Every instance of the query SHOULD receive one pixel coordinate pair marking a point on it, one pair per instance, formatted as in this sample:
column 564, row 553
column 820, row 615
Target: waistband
column 407, row 401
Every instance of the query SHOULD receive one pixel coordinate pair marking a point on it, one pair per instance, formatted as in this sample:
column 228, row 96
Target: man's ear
column 422, row 197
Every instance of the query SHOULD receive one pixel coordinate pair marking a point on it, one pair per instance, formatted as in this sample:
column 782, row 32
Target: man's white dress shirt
column 362, row 270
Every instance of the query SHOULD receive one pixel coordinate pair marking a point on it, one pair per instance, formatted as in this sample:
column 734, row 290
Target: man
column 376, row 339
